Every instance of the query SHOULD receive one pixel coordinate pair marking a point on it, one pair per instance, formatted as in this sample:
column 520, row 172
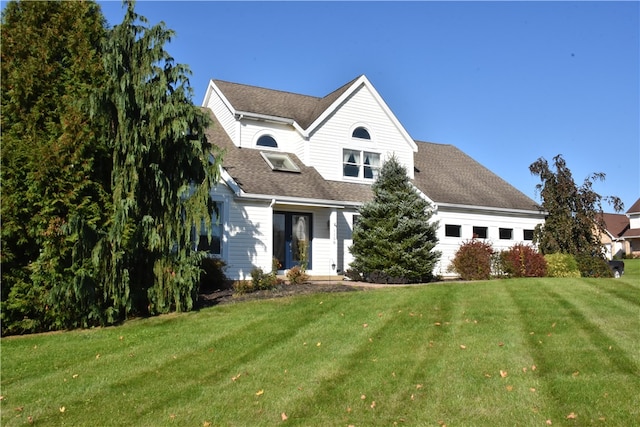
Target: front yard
column 495, row 353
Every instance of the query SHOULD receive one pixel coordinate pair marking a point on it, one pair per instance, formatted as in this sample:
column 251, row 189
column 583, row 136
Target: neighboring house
column 615, row 225
column 622, row 233
column 296, row 168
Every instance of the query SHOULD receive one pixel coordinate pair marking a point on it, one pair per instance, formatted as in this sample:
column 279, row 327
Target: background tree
column 163, row 170
column 574, row 214
column 393, row 240
column 54, row 169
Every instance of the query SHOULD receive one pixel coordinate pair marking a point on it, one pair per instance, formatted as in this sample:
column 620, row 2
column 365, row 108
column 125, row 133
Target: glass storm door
column 291, row 238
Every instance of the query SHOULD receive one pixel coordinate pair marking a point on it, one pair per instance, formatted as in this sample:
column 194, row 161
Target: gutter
column 274, row 119
column 490, row 209
column 298, row 201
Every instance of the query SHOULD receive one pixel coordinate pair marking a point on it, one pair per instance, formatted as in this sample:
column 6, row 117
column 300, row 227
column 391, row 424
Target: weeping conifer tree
column 163, row 170
column 393, row 240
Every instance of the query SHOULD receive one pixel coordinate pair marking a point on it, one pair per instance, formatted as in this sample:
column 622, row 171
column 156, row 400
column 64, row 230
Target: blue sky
column 506, row 82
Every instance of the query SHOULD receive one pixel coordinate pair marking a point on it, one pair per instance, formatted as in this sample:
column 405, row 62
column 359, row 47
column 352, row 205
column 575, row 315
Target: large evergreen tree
column 574, row 213
column 393, row 238
column 163, row 170
column 54, row 168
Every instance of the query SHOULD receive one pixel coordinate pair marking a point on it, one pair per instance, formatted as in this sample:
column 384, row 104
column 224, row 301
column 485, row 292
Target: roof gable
column 615, row 224
column 635, row 208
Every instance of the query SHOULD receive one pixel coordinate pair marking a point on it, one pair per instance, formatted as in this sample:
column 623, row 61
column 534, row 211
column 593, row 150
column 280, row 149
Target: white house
column 296, row 168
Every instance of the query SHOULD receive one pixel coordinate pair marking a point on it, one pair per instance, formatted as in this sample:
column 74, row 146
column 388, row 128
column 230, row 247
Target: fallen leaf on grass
column 259, row 392
column 463, row 347
column 364, row 325
column 319, row 344
column 500, row 344
column 373, row 404
column 418, row 386
column 413, row 397
column 533, row 367
column 18, row 409
column 236, row 377
column 97, row 356
column 363, row 397
column 548, row 422
column 503, row 374
column 74, row 376
column 554, row 325
column 572, row 416
column 576, row 373
column 62, row 409
column 437, row 323
column 532, row 390
column 509, row 388
column 30, row 419
column 206, row 424
column 284, row 416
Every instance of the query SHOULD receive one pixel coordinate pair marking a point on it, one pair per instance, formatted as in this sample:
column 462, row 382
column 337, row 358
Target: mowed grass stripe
column 399, row 347
column 579, row 373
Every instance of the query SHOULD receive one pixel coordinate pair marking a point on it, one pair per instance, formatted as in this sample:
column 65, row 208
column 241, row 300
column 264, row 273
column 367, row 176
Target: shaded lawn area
column 494, row 353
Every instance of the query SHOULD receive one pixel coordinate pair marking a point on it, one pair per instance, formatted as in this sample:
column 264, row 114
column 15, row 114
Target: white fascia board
column 213, row 88
column 300, row 201
column 490, row 209
column 362, row 80
column 268, row 118
column 231, row 183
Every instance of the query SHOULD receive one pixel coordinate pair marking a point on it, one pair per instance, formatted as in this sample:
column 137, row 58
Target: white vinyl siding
column 223, row 115
column 334, row 135
column 469, row 219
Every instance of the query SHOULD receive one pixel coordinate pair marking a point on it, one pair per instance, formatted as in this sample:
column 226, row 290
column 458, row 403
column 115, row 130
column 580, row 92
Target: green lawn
column 496, row 353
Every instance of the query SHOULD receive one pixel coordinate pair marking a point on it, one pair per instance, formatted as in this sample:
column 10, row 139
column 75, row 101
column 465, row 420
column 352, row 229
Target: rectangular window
column 452, row 230
column 506, row 233
column 528, row 234
column 360, row 164
column 479, row 232
column 212, row 246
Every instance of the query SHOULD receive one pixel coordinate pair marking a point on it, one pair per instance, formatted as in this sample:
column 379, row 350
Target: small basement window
column 506, row 233
column 479, row 232
column 528, row 234
column 451, row 230
column 280, row 162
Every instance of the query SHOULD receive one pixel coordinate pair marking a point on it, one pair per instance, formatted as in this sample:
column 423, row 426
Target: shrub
column 593, row 266
column 472, row 260
column 523, row 261
column 243, row 286
column 562, row 265
column 263, row 281
column 297, row 275
column 213, row 276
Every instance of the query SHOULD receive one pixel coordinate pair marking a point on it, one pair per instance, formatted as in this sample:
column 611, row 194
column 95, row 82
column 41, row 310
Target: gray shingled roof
column 443, row 172
column 303, row 109
column 447, row 175
column 251, row 172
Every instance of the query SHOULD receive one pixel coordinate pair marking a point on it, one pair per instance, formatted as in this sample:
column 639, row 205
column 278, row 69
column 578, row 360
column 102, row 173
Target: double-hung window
column 360, row 164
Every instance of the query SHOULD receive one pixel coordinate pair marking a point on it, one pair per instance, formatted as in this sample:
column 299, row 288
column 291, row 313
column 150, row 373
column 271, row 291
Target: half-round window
column 267, row 141
column 361, row 133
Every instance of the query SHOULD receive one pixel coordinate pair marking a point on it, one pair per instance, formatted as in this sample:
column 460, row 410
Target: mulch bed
column 227, row 296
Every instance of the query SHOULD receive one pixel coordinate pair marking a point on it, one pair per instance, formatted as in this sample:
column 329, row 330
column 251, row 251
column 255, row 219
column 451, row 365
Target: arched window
column 361, row 133
column 267, row 141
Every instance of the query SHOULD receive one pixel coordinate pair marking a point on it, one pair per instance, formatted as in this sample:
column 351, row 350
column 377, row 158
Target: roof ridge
column 267, row 89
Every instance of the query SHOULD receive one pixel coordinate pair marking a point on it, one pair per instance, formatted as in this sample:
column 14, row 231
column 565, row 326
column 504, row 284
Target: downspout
column 240, row 130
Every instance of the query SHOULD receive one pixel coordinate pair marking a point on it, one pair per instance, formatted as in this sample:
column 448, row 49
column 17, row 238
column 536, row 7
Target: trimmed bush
column 562, row 265
column 523, row 261
column 593, row 266
column 212, row 276
column 297, row 275
column 472, row 260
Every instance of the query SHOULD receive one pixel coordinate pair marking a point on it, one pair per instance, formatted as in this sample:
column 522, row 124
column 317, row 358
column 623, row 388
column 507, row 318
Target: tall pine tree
column 54, row 168
column 393, row 239
column 163, row 170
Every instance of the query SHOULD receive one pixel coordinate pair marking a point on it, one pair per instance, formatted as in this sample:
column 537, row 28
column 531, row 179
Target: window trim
column 524, row 234
column 361, row 128
column 361, row 165
column 265, row 136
